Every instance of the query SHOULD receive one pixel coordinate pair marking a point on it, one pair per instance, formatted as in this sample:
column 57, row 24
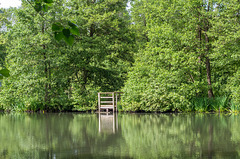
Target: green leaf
column 48, row 1
column 38, row 7
column 36, row 1
column 75, row 31
column 57, row 27
column 49, row 4
column 71, row 24
column 5, row 72
column 66, row 32
column 69, row 40
column 45, row 8
column 58, row 36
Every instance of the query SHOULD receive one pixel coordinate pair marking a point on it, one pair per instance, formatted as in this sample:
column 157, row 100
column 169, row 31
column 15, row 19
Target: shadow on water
column 72, row 135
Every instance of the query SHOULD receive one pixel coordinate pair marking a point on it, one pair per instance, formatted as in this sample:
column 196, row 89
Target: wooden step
column 107, row 106
column 106, row 92
column 106, row 101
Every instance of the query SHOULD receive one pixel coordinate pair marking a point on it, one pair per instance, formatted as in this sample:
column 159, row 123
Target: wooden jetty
column 108, row 100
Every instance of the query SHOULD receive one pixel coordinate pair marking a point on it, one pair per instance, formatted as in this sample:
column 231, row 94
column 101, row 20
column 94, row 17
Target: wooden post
column 116, row 121
column 99, row 121
column 116, row 100
column 110, row 101
column 99, row 102
column 113, row 122
column 113, row 101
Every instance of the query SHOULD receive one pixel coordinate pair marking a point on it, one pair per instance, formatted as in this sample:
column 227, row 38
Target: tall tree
column 176, row 65
column 5, row 16
column 226, row 49
column 35, row 62
column 102, row 54
column 49, row 74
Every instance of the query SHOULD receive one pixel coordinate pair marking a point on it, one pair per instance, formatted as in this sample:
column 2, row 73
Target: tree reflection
column 179, row 135
column 139, row 136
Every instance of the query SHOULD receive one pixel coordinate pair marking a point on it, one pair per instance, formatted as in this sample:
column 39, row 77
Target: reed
column 204, row 104
column 200, row 104
column 234, row 108
column 219, row 103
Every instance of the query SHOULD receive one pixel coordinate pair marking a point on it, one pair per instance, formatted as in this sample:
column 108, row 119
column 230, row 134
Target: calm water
column 119, row 136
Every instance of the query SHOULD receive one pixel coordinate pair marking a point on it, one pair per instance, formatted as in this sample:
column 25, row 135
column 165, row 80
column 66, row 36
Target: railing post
column 113, row 101
column 116, row 100
column 99, row 102
column 110, row 100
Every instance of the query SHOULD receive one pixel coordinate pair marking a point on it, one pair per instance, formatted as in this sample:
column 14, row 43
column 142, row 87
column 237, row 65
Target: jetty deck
column 108, row 100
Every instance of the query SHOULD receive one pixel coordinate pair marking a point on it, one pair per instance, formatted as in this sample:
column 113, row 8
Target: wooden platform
column 108, row 100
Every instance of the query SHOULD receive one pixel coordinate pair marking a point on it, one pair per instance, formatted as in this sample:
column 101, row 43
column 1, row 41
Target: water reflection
column 121, row 136
column 108, row 123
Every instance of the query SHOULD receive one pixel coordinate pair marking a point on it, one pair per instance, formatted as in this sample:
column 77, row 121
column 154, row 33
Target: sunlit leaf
column 49, row 4
column 75, row 31
column 69, row 40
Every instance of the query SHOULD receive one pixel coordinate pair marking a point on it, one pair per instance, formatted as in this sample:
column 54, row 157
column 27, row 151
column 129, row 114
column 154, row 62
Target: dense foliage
column 164, row 55
column 51, row 75
column 190, row 59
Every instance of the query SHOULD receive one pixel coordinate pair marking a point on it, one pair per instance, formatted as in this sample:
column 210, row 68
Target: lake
column 79, row 135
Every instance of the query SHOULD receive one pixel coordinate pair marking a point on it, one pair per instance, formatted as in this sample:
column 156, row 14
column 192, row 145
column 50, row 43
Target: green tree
column 226, row 50
column 4, row 16
column 35, row 61
column 178, row 65
column 51, row 75
column 102, row 53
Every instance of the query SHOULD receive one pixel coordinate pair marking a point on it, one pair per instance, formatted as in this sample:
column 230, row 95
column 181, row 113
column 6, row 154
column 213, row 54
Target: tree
column 3, row 21
column 177, row 68
column 226, row 50
column 35, row 61
column 51, row 75
column 102, row 53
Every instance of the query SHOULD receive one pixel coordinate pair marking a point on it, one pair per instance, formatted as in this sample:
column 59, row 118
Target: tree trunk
column 210, row 92
column 46, row 75
column 200, row 46
column 46, row 96
column 207, row 49
column 84, row 77
column 49, row 75
column 84, row 69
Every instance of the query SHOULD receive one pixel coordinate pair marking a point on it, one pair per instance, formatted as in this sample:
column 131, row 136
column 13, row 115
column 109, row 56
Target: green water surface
column 70, row 135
